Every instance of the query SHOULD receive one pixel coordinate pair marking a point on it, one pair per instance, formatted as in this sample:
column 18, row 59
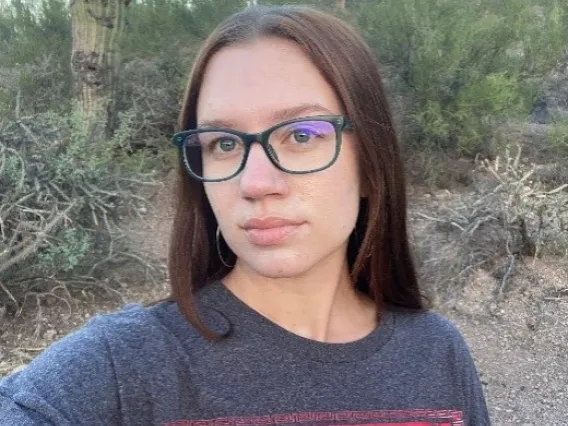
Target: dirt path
column 520, row 345
column 525, row 370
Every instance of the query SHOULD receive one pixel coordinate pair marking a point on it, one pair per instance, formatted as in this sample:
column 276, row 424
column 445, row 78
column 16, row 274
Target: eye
column 305, row 132
column 225, row 144
column 302, row 136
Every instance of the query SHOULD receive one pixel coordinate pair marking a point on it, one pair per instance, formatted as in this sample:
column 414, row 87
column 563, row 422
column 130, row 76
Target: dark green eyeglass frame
column 339, row 122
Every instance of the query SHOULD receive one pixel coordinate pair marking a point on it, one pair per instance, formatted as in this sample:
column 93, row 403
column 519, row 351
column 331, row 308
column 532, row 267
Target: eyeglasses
column 298, row 146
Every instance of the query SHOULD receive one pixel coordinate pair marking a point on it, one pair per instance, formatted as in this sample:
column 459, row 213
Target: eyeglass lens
column 297, row 147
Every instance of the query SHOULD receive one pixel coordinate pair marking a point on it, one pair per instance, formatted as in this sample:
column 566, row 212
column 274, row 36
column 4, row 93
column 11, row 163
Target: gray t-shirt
column 148, row 366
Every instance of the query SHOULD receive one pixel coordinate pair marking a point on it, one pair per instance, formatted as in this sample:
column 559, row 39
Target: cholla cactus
column 511, row 214
column 536, row 216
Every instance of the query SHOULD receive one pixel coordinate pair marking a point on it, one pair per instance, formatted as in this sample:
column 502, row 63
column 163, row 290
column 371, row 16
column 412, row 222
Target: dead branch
column 46, row 197
column 34, row 245
column 16, row 154
column 10, row 295
column 519, row 215
column 505, row 279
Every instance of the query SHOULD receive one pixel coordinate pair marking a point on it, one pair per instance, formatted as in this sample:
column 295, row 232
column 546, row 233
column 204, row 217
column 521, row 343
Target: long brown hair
column 378, row 252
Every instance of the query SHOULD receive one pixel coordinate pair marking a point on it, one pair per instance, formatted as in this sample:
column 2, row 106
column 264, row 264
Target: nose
column 260, row 177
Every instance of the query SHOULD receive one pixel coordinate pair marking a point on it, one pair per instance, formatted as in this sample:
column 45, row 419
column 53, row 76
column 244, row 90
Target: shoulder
column 87, row 376
column 73, row 379
column 428, row 329
column 432, row 341
column 432, row 347
column 133, row 320
column 426, row 321
column 130, row 315
column 87, row 346
column 92, row 346
column 140, row 326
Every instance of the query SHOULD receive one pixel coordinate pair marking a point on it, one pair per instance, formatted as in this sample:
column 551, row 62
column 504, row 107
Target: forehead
column 250, row 84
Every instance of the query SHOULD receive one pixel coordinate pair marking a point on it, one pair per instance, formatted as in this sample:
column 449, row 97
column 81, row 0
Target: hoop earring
column 218, row 244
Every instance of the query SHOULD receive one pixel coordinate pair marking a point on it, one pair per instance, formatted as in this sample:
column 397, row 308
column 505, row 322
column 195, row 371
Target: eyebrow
column 277, row 116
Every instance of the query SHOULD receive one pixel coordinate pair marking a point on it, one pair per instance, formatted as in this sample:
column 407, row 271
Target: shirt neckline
column 248, row 322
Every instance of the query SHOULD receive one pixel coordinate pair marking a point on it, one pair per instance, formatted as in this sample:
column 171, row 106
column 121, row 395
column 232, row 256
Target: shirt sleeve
column 476, row 413
column 72, row 383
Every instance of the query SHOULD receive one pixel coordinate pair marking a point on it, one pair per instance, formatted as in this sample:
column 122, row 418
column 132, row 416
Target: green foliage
column 163, row 29
column 558, row 136
column 64, row 189
column 66, row 252
column 35, row 47
column 155, row 27
column 468, row 65
column 206, row 14
column 320, row 4
column 35, row 44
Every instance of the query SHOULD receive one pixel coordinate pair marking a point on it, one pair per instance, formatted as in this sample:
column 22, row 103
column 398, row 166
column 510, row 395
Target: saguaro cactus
column 97, row 26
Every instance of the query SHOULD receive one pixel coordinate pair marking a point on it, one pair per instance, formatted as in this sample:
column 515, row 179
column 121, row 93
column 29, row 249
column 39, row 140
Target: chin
column 272, row 265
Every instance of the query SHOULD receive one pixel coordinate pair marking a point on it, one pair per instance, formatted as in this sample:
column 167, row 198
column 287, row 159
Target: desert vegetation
column 89, row 97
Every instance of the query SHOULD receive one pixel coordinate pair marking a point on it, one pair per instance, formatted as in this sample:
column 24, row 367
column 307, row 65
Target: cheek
column 335, row 200
column 219, row 196
column 346, row 193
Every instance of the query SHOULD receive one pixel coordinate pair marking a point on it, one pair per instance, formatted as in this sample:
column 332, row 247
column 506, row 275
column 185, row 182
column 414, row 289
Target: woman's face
column 279, row 225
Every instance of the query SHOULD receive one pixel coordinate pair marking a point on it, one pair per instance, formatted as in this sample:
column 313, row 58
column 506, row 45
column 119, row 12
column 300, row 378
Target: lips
column 268, row 231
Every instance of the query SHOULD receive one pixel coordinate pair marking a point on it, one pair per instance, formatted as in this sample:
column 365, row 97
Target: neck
column 322, row 305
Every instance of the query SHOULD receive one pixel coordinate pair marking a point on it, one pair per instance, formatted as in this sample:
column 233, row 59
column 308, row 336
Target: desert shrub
column 558, row 136
column 152, row 94
column 35, row 47
column 33, row 88
column 319, row 4
column 64, row 190
column 511, row 215
column 468, row 65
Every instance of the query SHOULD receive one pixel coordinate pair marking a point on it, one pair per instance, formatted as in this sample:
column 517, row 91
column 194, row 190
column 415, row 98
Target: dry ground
column 520, row 344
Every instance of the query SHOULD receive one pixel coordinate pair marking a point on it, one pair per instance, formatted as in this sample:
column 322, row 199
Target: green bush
column 65, row 189
column 510, row 216
column 161, row 36
column 558, row 137
column 67, row 252
column 35, row 47
column 467, row 65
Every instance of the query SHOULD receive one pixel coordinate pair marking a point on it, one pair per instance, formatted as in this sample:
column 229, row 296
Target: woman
column 294, row 299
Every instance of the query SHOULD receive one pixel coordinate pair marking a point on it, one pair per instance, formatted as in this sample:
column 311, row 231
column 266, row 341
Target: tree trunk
column 96, row 28
column 340, row 5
